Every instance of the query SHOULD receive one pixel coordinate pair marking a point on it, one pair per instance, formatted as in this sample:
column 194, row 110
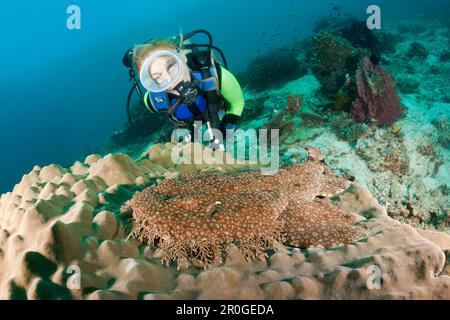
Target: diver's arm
column 232, row 93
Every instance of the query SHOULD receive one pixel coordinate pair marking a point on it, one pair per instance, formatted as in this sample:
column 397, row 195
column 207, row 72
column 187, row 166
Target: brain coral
column 193, row 218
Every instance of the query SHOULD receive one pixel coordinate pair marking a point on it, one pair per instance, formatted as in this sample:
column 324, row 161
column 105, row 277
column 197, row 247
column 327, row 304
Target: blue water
column 62, row 92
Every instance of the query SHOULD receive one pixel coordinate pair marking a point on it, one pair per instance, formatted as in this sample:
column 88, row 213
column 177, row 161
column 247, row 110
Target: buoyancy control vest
column 206, row 77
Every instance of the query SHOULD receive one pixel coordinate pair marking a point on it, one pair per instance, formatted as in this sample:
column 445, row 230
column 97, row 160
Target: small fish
column 396, row 128
column 290, row 15
column 263, row 33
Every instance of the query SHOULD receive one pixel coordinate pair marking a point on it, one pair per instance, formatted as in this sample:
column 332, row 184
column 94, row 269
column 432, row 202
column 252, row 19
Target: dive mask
column 161, row 71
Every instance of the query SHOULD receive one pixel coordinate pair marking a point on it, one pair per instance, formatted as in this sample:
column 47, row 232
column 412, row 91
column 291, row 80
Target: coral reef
column 407, row 85
column 289, row 115
column 444, row 56
column 431, row 72
column 273, row 69
column 294, row 104
column 254, row 108
column 357, row 33
column 344, row 99
column 351, row 132
column 62, row 236
column 443, row 126
column 419, row 139
column 417, row 50
column 326, row 24
column 334, row 58
column 386, row 152
column 282, row 120
column 377, row 95
column 404, row 165
column 387, row 42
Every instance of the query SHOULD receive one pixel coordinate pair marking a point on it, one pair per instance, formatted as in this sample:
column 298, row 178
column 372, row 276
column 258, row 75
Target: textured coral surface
column 62, row 236
column 196, row 215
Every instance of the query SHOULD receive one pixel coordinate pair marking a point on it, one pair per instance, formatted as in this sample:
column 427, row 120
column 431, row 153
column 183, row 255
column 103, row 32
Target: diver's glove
column 229, row 122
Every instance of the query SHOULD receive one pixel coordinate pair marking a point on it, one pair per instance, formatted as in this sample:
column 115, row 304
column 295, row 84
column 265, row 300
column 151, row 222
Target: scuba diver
column 187, row 83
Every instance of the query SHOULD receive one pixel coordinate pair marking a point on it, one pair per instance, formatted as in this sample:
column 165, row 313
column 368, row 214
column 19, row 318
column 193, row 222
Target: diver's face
column 163, row 69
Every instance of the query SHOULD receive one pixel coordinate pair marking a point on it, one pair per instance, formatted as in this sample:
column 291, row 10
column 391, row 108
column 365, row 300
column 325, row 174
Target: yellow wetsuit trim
column 232, row 93
column 146, row 101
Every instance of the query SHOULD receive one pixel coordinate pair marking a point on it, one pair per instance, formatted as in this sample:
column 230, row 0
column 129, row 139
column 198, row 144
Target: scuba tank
column 205, row 62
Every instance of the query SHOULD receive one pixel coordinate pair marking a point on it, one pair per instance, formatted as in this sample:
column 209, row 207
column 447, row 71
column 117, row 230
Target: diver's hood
column 161, row 71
